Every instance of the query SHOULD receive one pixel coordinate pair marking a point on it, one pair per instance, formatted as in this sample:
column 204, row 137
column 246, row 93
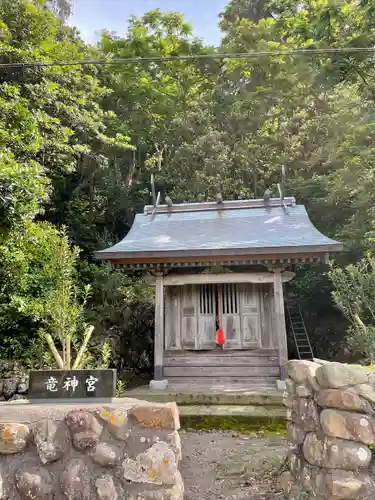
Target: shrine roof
column 233, row 228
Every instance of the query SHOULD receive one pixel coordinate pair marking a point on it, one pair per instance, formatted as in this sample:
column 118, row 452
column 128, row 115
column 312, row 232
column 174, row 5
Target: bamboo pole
column 83, row 347
column 68, row 352
column 54, row 351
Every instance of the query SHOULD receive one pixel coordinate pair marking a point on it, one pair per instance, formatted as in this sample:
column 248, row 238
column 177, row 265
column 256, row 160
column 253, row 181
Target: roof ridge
column 225, row 205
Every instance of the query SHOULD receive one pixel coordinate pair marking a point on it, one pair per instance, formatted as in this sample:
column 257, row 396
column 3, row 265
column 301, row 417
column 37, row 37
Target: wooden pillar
column 159, row 329
column 280, row 321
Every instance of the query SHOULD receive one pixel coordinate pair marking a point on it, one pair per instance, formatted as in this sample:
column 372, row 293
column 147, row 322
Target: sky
column 91, row 16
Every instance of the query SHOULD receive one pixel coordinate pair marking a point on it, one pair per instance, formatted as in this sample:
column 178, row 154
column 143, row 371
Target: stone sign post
column 72, row 384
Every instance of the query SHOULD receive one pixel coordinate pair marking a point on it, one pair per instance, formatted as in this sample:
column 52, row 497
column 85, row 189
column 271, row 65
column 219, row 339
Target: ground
column 230, row 466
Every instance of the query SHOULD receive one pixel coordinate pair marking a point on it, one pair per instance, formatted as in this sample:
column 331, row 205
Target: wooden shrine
column 221, row 264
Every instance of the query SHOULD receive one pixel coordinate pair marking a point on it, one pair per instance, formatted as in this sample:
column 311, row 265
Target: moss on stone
column 248, row 425
column 368, row 368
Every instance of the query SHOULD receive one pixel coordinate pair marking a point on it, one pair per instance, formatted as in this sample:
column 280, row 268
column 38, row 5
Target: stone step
column 185, row 397
column 233, row 411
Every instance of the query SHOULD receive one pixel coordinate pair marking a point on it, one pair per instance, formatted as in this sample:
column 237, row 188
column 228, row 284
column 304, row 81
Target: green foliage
column 62, row 313
column 63, row 307
column 106, row 356
column 26, row 280
column 354, row 295
column 120, row 389
column 52, row 134
column 122, row 309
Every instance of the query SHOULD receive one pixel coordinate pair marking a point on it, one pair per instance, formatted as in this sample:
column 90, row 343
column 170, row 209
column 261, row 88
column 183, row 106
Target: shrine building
column 221, row 266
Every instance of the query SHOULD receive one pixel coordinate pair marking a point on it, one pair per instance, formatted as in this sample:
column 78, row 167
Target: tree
column 354, row 295
column 62, row 315
column 153, row 101
column 311, row 114
column 63, row 8
column 51, row 123
column 58, row 147
column 65, row 104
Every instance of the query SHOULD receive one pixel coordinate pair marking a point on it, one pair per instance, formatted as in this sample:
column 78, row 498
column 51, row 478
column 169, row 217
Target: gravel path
column 221, row 465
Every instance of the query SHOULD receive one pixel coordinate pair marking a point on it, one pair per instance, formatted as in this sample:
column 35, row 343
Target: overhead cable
column 214, row 55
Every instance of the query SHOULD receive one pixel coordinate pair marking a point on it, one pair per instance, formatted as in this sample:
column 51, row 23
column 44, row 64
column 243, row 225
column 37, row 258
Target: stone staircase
column 225, row 407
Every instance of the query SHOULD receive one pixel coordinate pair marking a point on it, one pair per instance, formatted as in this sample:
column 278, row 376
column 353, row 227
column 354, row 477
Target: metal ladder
column 298, row 331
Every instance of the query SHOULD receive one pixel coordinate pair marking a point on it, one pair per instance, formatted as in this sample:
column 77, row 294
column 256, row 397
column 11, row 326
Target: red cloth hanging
column 220, row 336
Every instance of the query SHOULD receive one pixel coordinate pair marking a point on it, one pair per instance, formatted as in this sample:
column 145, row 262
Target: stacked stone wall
column 128, row 449
column 14, row 381
column 330, row 432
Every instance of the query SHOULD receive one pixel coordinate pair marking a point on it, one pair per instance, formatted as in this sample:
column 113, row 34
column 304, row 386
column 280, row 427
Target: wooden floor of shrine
column 216, row 377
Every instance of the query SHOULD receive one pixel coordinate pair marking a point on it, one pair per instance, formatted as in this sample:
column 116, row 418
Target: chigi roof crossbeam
column 211, row 205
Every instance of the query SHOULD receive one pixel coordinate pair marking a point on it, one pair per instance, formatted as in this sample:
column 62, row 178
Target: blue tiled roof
column 244, row 230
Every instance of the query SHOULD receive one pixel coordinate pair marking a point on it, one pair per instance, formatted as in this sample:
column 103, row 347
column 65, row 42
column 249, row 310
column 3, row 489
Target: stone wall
column 331, row 432
column 14, row 381
column 127, row 449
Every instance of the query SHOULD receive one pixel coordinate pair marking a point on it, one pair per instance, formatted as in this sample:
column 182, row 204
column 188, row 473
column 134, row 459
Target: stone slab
column 24, row 411
column 158, row 385
column 281, row 385
column 161, row 416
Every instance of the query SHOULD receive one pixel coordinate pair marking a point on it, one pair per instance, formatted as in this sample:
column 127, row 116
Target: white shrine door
column 189, row 317
column 238, row 306
column 230, row 315
column 198, row 317
column 207, row 317
column 250, row 315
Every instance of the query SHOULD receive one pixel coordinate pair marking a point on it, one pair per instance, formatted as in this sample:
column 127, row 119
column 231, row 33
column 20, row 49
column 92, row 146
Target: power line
column 219, row 55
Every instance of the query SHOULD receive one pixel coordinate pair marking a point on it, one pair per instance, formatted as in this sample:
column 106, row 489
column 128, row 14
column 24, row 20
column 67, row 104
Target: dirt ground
column 224, row 465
